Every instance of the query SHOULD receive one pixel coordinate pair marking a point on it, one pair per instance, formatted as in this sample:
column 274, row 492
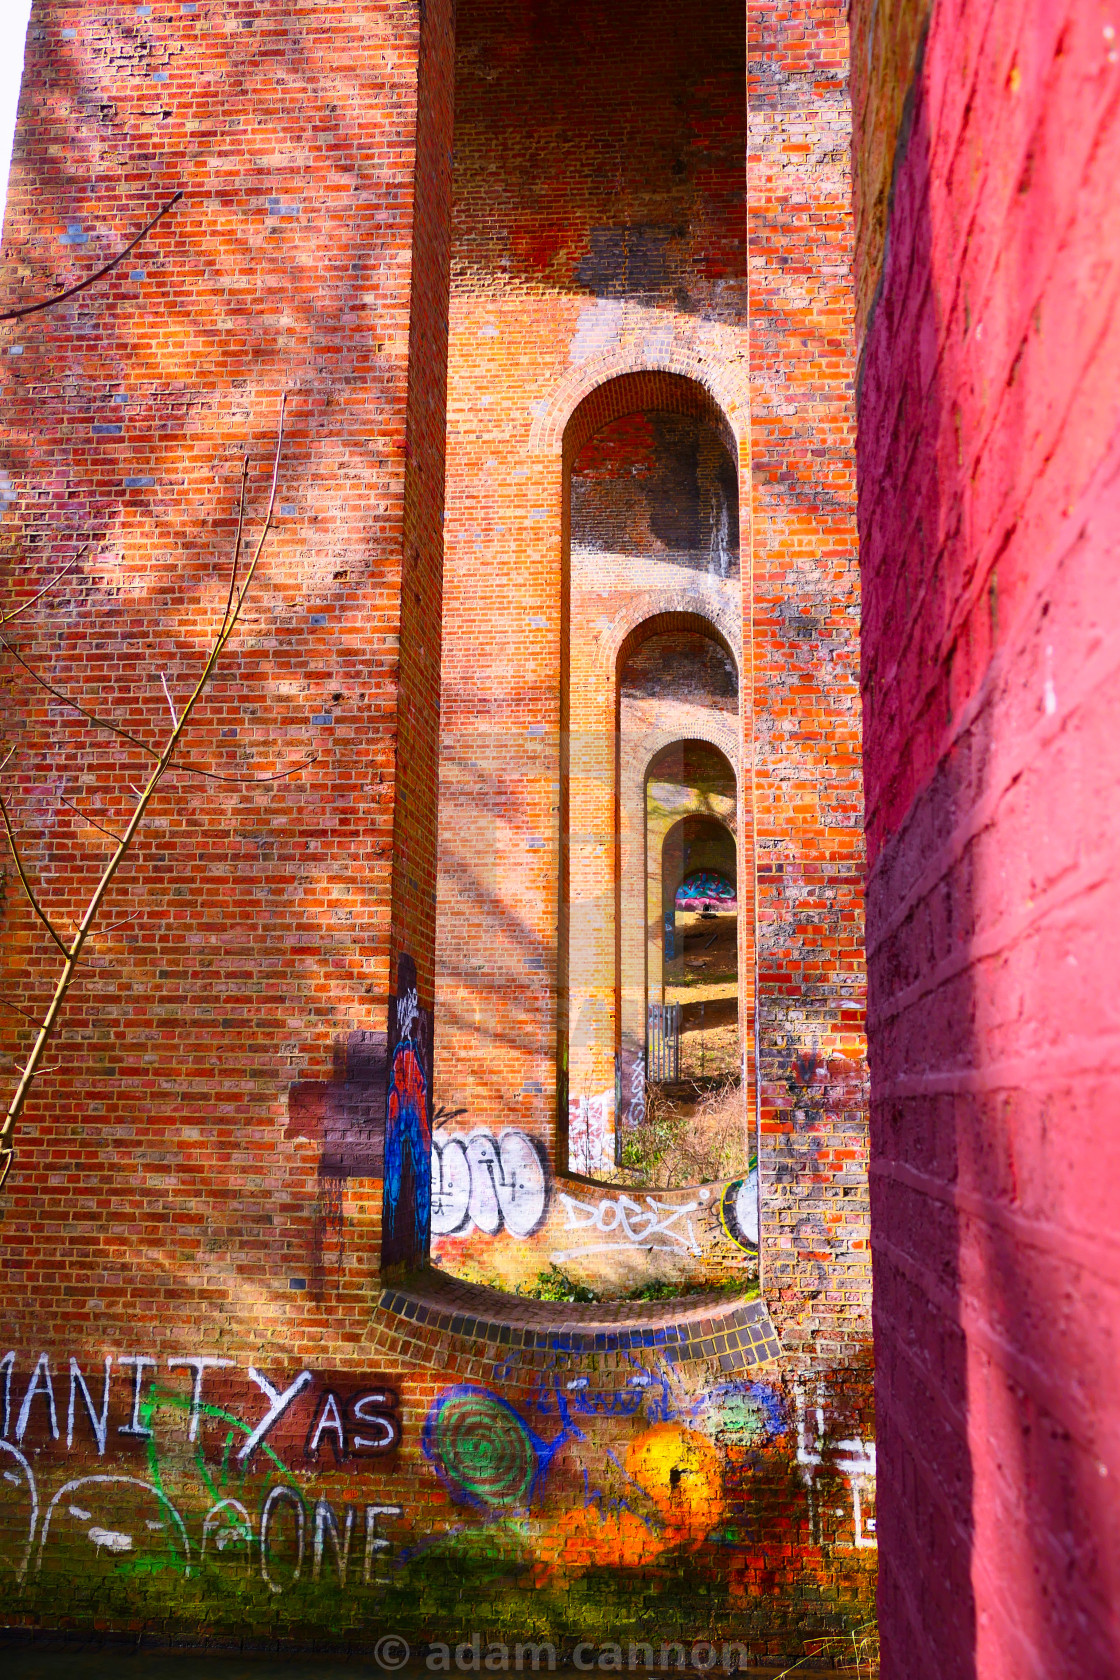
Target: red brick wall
column 989, row 446
column 805, row 618
column 598, row 229
column 155, row 1188
column 165, row 1202
column 598, row 234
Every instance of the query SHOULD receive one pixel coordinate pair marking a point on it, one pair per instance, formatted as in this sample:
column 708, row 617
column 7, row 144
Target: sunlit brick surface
column 988, row 518
column 220, row 1420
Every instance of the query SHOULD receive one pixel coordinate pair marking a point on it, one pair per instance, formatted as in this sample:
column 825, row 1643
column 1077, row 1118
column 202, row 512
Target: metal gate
column 663, row 1042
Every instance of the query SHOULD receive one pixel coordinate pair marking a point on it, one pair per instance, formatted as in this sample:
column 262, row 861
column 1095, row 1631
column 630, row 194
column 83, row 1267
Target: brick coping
column 726, row 1329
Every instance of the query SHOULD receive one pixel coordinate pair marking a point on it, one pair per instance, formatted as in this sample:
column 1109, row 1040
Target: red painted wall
column 989, row 468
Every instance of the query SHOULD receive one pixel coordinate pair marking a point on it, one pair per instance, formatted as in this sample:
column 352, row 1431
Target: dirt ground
column 703, row 979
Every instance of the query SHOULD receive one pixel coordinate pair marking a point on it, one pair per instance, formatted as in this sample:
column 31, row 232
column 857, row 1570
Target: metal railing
column 663, row 1042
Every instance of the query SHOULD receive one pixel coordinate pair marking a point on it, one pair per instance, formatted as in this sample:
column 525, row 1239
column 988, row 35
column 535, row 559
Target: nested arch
column 652, row 654
column 597, row 386
column 643, row 389
column 668, row 617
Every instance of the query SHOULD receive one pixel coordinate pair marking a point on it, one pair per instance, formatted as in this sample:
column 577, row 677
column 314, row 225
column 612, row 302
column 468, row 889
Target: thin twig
column 102, row 723
column 87, row 818
column 7, row 617
column 72, row 291
column 167, row 697
column 22, row 873
column 213, row 776
column 85, row 927
column 7, row 1002
column 114, row 925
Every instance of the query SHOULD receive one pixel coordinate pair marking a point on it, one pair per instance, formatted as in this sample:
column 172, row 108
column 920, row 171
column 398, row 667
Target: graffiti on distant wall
column 591, row 1133
column 633, row 1086
column 406, row 1206
column 483, row 1184
column 627, row 1223
column 704, row 889
column 501, row 1184
column 738, row 1211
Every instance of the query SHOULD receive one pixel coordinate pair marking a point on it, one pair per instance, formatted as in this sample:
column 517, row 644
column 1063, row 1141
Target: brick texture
column 805, row 621
column 156, row 1192
column 989, row 433
column 486, row 258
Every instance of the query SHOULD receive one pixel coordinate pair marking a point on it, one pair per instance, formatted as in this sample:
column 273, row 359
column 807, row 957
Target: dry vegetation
column 692, row 1135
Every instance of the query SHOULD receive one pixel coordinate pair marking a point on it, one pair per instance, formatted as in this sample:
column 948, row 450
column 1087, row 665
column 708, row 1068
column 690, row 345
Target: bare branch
column 6, row 618
column 144, row 799
column 114, row 925
column 167, row 697
column 92, row 821
column 8, row 1004
column 213, row 776
column 102, row 723
column 22, row 873
column 237, row 540
column 72, row 291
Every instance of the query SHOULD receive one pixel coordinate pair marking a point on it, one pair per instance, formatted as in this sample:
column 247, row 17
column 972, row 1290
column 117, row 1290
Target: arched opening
column 692, row 1021
column 699, row 933
column 651, row 539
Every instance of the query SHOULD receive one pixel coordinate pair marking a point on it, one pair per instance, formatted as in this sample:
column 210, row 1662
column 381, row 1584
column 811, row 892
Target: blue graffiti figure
column 408, row 1136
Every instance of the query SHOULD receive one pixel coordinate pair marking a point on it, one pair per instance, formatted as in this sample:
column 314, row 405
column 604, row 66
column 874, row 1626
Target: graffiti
column 116, row 1539
column 326, row 1526
column 484, row 1451
column 591, row 1133
column 738, row 1211
column 640, row 1464
column 478, row 1184
column 633, row 1076
column 815, row 1456
column 353, row 1416
column 680, row 1474
column 705, row 890
column 577, row 1395
column 278, row 1405
column 21, row 1477
column 114, row 1514
column 231, row 1533
column 655, row 1226
column 406, row 1211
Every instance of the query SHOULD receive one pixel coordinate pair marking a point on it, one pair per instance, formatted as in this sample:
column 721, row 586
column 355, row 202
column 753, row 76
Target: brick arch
column 711, row 734
column 664, row 624
column 642, row 391
column 708, row 611
column 716, row 822
column 620, row 382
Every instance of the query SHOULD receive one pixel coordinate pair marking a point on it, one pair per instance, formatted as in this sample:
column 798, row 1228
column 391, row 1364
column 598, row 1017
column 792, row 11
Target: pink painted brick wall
column 989, row 410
